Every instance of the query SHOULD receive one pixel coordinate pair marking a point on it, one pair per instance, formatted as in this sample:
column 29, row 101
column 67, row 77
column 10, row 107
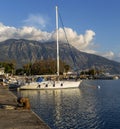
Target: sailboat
column 52, row 84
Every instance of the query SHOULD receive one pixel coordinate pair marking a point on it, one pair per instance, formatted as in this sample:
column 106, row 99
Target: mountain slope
column 25, row 51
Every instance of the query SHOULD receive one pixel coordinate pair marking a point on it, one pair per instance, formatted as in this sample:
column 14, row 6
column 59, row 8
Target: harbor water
column 95, row 105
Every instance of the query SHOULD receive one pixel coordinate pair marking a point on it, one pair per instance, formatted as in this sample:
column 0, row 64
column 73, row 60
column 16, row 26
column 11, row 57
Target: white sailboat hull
column 50, row 85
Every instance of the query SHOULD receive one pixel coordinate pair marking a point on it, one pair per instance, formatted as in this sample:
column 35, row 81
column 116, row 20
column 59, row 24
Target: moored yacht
column 52, row 84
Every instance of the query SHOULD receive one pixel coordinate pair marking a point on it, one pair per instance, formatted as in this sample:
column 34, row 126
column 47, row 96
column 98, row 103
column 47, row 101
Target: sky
column 92, row 26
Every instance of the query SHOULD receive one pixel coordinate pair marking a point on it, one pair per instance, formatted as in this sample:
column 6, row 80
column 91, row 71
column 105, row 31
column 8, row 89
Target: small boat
column 14, row 83
column 52, row 84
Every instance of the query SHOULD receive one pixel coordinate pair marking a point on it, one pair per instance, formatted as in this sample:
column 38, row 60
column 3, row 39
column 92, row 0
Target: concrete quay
column 12, row 118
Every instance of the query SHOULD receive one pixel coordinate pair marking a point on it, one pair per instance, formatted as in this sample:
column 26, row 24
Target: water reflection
column 86, row 107
column 63, row 108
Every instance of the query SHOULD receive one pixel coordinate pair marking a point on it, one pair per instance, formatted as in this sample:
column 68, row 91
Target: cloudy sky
column 91, row 26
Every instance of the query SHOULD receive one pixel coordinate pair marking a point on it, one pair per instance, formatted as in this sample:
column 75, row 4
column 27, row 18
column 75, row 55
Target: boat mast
column 57, row 41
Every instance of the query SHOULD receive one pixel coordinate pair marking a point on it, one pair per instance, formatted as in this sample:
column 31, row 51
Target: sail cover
column 39, row 79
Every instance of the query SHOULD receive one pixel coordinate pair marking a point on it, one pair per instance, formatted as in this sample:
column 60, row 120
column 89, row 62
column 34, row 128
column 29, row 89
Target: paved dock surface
column 14, row 118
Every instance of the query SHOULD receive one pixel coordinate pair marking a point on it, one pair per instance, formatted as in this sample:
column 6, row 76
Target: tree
column 66, row 68
column 42, row 67
column 27, row 68
column 9, row 66
column 19, row 71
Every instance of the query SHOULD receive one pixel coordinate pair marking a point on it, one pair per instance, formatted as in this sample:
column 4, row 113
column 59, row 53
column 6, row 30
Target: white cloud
column 109, row 55
column 83, row 42
column 38, row 21
column 30, row 33
column 6, row 32
column 112, row 56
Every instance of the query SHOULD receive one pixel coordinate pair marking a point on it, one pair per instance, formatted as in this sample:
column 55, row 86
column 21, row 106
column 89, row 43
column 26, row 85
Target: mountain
column 25, row 51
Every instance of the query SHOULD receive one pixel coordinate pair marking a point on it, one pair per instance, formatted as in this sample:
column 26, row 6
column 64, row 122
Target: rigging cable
column 72, row 55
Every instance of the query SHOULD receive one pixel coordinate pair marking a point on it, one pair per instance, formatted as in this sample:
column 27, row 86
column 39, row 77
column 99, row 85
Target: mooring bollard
column 23, row 103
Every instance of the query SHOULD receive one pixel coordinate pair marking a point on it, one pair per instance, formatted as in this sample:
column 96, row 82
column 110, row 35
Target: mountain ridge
column 25, row 51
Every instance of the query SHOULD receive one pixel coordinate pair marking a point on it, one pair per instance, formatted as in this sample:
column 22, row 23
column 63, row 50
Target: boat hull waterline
column 50, row 85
